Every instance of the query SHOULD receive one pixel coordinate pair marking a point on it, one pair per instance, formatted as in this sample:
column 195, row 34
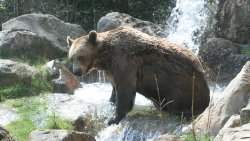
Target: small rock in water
column 59, row 135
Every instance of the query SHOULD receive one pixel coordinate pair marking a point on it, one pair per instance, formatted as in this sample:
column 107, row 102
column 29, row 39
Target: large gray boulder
column 234, row 134
column 12, row 72
column 233, row 20
column 59, row 135
column 224, row 57
column 37, row 34
column 20, row 43
column 115, row 19
column 234, row 97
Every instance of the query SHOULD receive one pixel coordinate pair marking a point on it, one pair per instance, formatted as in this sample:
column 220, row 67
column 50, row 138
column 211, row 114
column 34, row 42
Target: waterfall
column 186, row 23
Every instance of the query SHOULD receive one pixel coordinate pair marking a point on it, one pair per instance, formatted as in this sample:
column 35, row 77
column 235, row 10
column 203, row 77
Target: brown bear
column 136, row 62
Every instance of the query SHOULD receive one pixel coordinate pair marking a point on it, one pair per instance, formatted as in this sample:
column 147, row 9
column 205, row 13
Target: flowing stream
column 144, row 121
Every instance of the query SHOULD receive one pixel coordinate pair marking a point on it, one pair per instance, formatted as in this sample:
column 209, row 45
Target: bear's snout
column 77, row 72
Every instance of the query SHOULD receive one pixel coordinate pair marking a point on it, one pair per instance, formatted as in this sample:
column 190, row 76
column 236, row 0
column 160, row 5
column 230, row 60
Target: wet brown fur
column 132, row 59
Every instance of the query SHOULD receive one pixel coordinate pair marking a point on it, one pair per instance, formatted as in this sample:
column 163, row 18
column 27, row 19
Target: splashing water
column 186, row 22
column 144, row 121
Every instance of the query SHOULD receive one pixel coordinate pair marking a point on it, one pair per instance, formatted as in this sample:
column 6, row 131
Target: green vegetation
column 32, row 112
column 87, row 12
column 55, row 122
column 38, row 85
column 247, row 51
column 20, row 129
column 190, row 137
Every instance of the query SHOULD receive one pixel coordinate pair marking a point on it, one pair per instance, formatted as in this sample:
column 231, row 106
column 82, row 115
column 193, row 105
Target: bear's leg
column 125, row 98
column 113, row 97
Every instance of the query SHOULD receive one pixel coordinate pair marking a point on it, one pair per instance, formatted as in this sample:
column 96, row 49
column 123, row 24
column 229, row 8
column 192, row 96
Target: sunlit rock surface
column 13, row 72
column 115, row 19
column 37, row 35
column 59, row 135
column 234, row 134
column 234, row 97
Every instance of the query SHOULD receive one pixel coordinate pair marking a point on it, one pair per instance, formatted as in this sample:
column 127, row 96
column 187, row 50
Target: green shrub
column 55, row 122
column 247, row 51
column 190, row 137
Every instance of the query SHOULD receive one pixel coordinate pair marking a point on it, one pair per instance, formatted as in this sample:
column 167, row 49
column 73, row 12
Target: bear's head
column 82, row 53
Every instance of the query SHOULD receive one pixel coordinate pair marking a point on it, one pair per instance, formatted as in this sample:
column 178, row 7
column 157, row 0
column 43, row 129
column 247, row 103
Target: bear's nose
column 77, row 72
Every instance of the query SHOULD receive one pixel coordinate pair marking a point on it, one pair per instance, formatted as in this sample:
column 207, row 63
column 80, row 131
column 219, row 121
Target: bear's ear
column 92, row 36
column 69, row 41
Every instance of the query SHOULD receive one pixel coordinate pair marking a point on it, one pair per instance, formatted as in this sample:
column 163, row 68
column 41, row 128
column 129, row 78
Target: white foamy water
column 91, row 98
column 186, row 22
column 99, row 93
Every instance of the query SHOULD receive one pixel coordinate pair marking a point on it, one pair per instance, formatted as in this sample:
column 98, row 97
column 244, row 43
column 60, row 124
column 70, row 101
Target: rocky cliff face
column 233, row 18
column 229, row 50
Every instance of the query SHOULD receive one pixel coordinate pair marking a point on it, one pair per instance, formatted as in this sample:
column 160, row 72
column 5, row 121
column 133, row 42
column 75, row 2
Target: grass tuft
column 56, row 122
column 190, row 137
column 33, row 115
column 38, row 85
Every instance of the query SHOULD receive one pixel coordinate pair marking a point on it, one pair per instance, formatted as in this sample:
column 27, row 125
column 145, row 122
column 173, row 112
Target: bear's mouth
column 89, row 68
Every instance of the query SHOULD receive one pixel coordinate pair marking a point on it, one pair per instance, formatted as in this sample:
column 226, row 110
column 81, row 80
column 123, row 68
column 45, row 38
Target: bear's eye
column 80, row 58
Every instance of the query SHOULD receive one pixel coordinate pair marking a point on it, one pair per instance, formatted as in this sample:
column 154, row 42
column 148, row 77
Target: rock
column 230, row 102
column 54, row 71
column 27, row 43
column 59, row 135
column 115, row 19
column 245, row 115
column 232, row 122
column 85, row 124
column 4, row 135
column 38, row 32
column 67, row 82
column 167, row 137
column 12, row 73
column 48, row 26
column 223, row 57
column 137, row 127
column 7, row 115
column 233, row 18
column 234, row 134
